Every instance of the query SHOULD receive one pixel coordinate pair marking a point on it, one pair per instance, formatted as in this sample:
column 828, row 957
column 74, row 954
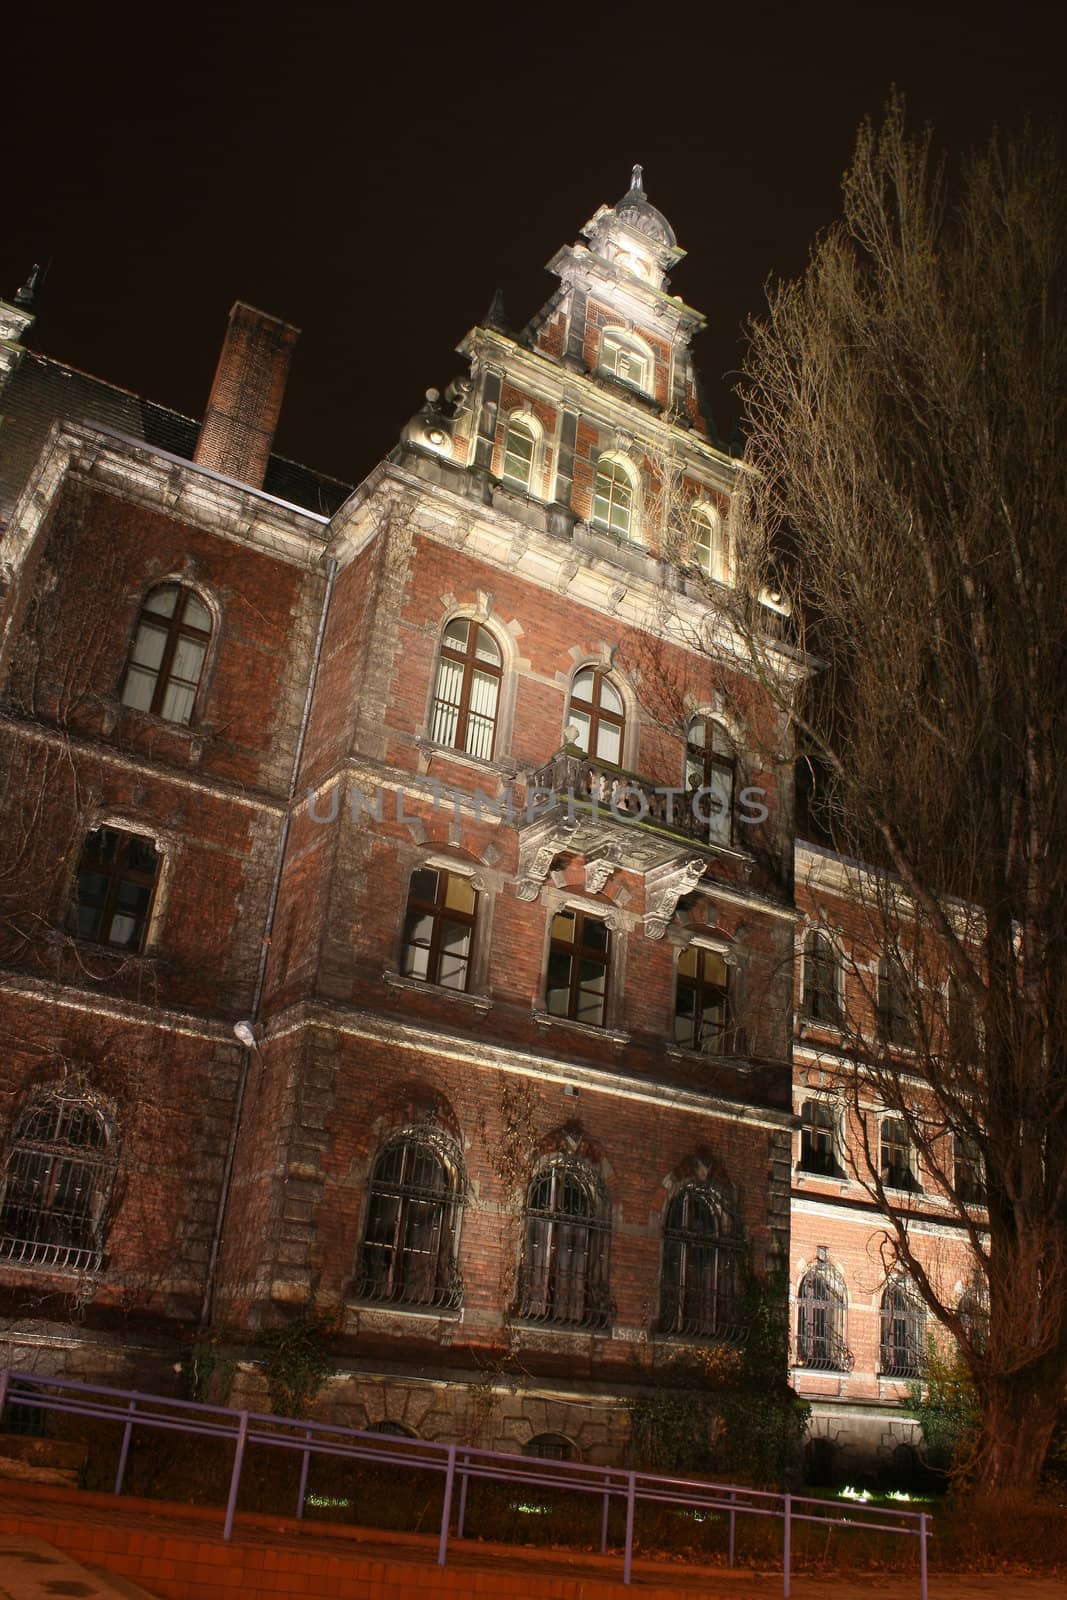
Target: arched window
column 902, row 1347
column 563, row 1275
column 596, row 711
column 710, row 547
column 439, row 928
column 700, row 1290
column 467, row 692
column 710, row 765
column 702, row 1001
column 392, row 1430
column 817, row 1143
column 408, row 1254
column 626, row 357
column 819, row 977
column 896, row 1021
column 821, row 1321
column 57, row 1186
column 166, row 659
column 613, row 499
column 113, row 892
column 520, row 453
column 549, row 1447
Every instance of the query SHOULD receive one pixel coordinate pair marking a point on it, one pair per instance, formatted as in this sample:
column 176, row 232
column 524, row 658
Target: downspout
column 264, row 951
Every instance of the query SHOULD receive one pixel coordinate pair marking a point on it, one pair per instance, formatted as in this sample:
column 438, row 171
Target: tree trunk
column 1019, row 1417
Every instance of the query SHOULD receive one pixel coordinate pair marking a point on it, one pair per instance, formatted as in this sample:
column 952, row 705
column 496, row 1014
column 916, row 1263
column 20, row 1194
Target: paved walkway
column 177, row 1553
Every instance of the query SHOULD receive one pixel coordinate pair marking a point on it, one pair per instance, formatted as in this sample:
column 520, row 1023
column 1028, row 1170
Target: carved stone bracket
column 538, row 848
column 664, row 887
column 598, row 869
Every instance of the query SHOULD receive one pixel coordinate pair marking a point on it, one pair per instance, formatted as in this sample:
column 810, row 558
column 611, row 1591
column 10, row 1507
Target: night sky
column 372, row 176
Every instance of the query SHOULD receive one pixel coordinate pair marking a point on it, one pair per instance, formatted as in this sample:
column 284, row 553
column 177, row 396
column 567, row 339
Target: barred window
column 968, row 1170
column 700, row 1289
column 563, row 1275
column 820, row 997
column 466, row 694
column 902, row 1349
column 817, row 1142
column 549, row 1447
column 820, row 1341
column 58, row 1180
column 895, row 1156
column 439, row 928
column 896, row 1023
column 166, row 660
column 520, row 445
column 613, row 499
column 702, row 1001
column 113, row 892
column 579, row 961
column 710, row 765
column 596, row 710
column 408, row 1255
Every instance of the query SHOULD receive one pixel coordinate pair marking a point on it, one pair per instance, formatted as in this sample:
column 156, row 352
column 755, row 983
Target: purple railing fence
column 129, row 1409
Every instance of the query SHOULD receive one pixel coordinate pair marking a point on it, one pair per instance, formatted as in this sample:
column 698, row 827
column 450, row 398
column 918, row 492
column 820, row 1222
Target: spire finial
column 28, row 293
column 635, row 179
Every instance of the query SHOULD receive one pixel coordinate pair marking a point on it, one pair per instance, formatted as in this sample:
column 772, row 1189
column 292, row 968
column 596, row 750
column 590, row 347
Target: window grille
column 58, row 1180
column 519, row 446
column 700, row 1290
column 820, row 999
column 467, row 690
column 817, row 1151
column 702, row 1001
column 596, row 710
column 579, row 961
column 408, row 1254
column 549, row 1447
column 613, row 499
column 820, row 1341
column 166, row 660
column 902, row 1349
column 114, row 889
column 563, row 1275
column 439, row 928
column 709, row 765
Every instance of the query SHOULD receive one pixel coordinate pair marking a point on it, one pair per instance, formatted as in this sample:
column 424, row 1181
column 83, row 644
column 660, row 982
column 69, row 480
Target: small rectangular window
column 701, row 1002
column 817, row 1153
column 579, row 957
column 114, row 889
column 895, row 1155
column 439, row 928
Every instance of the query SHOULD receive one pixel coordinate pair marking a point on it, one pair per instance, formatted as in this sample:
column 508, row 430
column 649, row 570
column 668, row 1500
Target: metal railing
column 459, row 1466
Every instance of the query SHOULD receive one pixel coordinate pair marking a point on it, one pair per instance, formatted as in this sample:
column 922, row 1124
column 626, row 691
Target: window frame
column 894, row 1141
column 703, row 761
column 528, row 423
column 901, row 1332
column 821, row 1003
column 394, row 1199
column 811, row 1161
column 64, row 1168
column 441, row 914
column 717, row 1309
column 110, row 907
column 576, row 951
column 821, row 1321
column 594, row 709
column 698, row 985
column 896, row 1024
column 575, row 1298
column 469, row 664
column 176, row 630
column 719, row 566
column 630, row 346
column 968, row 1170
column 609, row 467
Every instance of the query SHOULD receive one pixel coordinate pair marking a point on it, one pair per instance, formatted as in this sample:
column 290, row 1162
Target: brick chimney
column 246, row 395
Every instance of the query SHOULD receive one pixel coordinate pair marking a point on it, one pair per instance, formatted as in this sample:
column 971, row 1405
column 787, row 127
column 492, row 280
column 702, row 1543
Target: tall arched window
column 613, row 498
column 596, row 710
column 117, row 878
column 700, row 1290
column 902, row 1347
column 563, row 1275
column 710, row 765
column 408, row 1254
column 166, row 660
column 820, row 1339
column 467, row 691
column 520, row 452
column 702, row 1001
column 820, row 998
column 710, row 548
column 57, row 1186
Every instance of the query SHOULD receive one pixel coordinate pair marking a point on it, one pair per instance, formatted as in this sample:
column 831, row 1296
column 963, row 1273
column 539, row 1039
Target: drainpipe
column 261, row 973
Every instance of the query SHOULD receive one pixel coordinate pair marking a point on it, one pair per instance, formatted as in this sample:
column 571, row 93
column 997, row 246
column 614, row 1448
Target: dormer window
column 626, row 357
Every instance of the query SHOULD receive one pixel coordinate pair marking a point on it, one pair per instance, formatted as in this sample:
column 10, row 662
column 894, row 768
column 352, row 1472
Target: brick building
column 361, row 941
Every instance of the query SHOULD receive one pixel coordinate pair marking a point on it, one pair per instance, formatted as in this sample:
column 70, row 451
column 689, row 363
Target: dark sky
column 373, row 175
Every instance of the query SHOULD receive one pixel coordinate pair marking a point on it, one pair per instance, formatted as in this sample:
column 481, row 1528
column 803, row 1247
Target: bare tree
column 904, row 403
